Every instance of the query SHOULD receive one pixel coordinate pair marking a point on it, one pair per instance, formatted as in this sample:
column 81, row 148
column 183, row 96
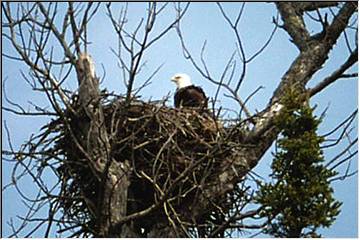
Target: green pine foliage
column 300, row 199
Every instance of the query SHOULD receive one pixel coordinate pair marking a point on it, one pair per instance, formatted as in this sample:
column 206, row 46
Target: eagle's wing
column 191, row 96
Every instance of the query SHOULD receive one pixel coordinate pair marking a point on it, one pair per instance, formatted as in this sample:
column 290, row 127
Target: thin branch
column 352, row 59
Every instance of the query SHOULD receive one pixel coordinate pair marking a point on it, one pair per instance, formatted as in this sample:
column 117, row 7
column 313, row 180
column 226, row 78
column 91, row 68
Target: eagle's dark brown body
column 190, row 96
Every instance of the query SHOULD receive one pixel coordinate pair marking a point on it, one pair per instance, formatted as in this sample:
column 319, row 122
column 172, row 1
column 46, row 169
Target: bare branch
column 352, row 59
column 57, row 34
column 294, row 24
column 313, row 6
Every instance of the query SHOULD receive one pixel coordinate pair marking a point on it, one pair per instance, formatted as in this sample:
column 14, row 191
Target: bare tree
column 128, row 168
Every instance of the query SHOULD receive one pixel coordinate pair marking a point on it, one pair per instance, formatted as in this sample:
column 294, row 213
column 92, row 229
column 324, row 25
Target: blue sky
column 202, row 22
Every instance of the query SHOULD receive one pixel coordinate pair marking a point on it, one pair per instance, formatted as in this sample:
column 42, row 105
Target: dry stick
column 239, row 42
column 75, row 31
column 57, row 34
column 136, row 59
column 37, row 70
column 344, row 131
column 167, row 192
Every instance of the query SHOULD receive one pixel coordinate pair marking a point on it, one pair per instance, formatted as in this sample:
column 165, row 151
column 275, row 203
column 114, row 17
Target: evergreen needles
column 300, row 198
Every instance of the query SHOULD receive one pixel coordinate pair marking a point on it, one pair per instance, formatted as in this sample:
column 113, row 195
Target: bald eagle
column 188, row 95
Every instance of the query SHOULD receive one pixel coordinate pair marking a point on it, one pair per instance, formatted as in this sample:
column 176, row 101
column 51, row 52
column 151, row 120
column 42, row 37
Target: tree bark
column 113, row 176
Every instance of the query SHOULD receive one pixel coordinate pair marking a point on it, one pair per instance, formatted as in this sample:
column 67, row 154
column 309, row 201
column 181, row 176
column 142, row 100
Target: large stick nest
column 159, row 143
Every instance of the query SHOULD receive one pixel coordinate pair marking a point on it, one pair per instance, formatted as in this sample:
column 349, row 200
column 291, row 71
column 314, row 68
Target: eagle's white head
column 181, row 80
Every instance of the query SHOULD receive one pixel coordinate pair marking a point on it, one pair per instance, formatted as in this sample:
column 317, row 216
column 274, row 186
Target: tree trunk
column 114, row 176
